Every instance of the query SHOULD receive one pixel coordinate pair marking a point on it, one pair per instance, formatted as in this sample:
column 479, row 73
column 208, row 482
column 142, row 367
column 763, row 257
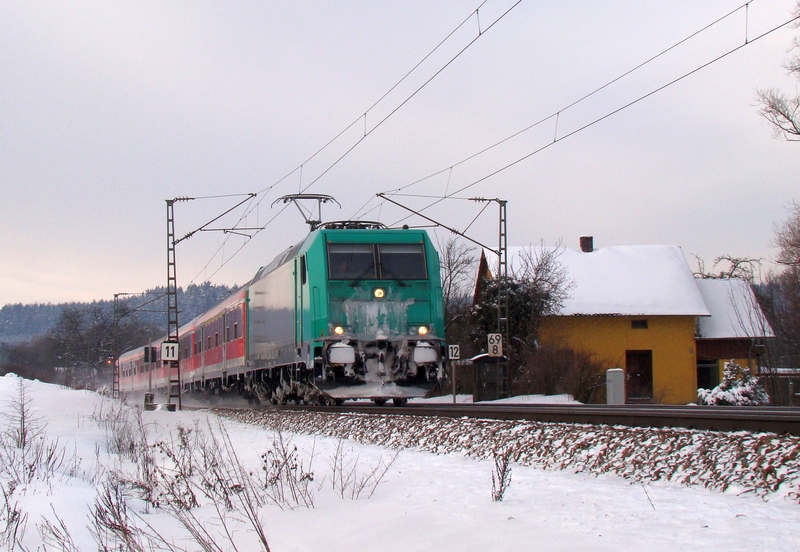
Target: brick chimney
column 587, row 244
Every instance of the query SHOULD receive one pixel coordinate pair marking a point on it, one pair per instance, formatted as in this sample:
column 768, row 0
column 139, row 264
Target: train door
column 318, row 326
column 224, row 340
column 299, row 280
column 203, row 346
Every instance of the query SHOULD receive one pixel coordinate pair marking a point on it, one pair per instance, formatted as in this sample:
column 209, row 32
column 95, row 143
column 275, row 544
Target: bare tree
column 787, row 238
column 782, row 111
column 458, row 267
column 457, row 264
column 779, row 297
column 537, row 287
column 743, row 268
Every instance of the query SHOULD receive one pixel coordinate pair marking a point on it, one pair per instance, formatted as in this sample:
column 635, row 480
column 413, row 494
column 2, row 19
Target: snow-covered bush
column 738, row 388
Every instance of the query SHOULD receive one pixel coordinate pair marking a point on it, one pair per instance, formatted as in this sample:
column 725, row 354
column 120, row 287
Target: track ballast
column 720, row 418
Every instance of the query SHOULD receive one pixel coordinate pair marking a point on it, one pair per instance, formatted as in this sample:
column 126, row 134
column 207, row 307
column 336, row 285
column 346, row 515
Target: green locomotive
column 353, row 311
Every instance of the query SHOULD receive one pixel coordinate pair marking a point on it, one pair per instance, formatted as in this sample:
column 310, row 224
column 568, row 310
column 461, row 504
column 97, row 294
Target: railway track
column 721, row 418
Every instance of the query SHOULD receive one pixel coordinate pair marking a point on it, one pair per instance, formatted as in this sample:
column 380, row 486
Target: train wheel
column 278, row 397
column 338, row 402
column 313, row 398
column 400, row 402
column 379, row 402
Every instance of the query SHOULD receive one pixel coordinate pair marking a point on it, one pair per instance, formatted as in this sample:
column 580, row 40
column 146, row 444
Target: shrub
column 738, row 388
column 552, row 370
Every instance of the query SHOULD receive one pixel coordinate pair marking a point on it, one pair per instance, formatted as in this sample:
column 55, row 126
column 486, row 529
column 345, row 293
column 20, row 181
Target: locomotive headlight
column 338, row 330
column 379, row 293
column 418, row 330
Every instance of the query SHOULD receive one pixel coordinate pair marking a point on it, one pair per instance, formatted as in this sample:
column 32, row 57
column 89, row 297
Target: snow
column 519, row 399
column 634, row 280
column 426, row 501
column 734, row 311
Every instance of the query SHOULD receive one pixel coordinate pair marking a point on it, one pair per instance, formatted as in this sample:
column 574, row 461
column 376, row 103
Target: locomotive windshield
column 402, row 261
column 348, row 261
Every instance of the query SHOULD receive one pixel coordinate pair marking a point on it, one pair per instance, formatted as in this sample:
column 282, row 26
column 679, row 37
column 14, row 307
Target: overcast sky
column 107, row 109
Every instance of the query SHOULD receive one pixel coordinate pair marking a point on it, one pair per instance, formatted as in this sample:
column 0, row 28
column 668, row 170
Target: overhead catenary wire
column 557, row 139
column 629, row 104
column 363, row 116
column 555, row 115
column 368, row 131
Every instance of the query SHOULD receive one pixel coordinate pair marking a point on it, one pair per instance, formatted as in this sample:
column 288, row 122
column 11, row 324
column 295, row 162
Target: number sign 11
column 169, row 350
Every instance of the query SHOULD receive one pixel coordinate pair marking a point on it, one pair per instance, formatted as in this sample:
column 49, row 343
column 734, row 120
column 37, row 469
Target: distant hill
column 20, row 323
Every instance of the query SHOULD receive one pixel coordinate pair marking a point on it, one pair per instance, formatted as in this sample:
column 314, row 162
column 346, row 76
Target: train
column 353, row 311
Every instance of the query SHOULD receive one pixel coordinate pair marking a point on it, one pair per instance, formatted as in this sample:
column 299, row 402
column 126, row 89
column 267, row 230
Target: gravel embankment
column 763, row 463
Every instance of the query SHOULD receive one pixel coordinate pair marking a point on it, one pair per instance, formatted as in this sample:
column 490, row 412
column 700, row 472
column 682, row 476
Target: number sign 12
column 454, row 352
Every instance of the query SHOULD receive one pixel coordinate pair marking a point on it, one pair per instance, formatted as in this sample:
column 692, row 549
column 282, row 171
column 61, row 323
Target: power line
column 557, row 139
column 629, row 104
column 367, row 132
column 557, row 113
column 363, row 116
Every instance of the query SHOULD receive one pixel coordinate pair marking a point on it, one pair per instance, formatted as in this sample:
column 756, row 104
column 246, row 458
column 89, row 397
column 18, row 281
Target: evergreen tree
column 738, row 388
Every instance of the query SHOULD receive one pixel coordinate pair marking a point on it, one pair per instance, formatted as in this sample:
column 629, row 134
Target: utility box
column 490, row 378
column 615, row 386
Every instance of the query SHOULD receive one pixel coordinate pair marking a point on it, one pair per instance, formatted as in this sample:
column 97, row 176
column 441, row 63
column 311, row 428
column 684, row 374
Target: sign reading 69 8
column 495, row 344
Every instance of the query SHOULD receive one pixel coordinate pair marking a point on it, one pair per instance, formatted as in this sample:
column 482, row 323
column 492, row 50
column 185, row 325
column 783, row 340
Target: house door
column 639, row 376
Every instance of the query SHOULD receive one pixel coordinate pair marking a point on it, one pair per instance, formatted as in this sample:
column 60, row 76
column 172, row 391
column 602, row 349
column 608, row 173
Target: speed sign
column 495, row 344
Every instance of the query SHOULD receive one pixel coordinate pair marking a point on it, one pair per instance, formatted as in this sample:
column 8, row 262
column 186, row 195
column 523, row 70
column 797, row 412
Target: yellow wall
column 671, row 338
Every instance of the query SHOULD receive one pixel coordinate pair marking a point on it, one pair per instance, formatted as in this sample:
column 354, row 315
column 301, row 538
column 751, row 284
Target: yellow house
column 629, row 307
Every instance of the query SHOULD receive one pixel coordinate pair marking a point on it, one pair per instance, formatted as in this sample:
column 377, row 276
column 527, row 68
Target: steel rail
column 720, row 418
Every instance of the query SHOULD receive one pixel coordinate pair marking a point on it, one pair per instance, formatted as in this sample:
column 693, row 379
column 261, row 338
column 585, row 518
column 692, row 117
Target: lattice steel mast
column 174, row 370
column 502, row 297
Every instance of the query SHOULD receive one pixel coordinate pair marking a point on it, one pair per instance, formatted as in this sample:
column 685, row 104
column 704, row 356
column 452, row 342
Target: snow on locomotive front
column 375, row 312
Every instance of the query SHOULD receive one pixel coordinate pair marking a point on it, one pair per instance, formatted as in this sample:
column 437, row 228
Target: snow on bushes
column 760, row 463
column 738, row 388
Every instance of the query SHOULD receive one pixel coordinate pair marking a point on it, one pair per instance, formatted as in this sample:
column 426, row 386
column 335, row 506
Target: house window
column 639, row 324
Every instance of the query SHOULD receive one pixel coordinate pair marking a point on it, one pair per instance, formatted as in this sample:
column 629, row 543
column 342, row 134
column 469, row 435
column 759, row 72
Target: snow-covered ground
column 423, row 502
column 519, row 399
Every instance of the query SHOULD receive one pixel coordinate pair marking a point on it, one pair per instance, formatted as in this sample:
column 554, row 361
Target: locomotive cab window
column 402, row 261
column 397, row 261
column 351, row 261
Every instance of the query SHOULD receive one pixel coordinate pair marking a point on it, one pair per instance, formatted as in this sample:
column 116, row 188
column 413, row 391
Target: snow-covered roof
column 633, row 280
column 734, row 311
